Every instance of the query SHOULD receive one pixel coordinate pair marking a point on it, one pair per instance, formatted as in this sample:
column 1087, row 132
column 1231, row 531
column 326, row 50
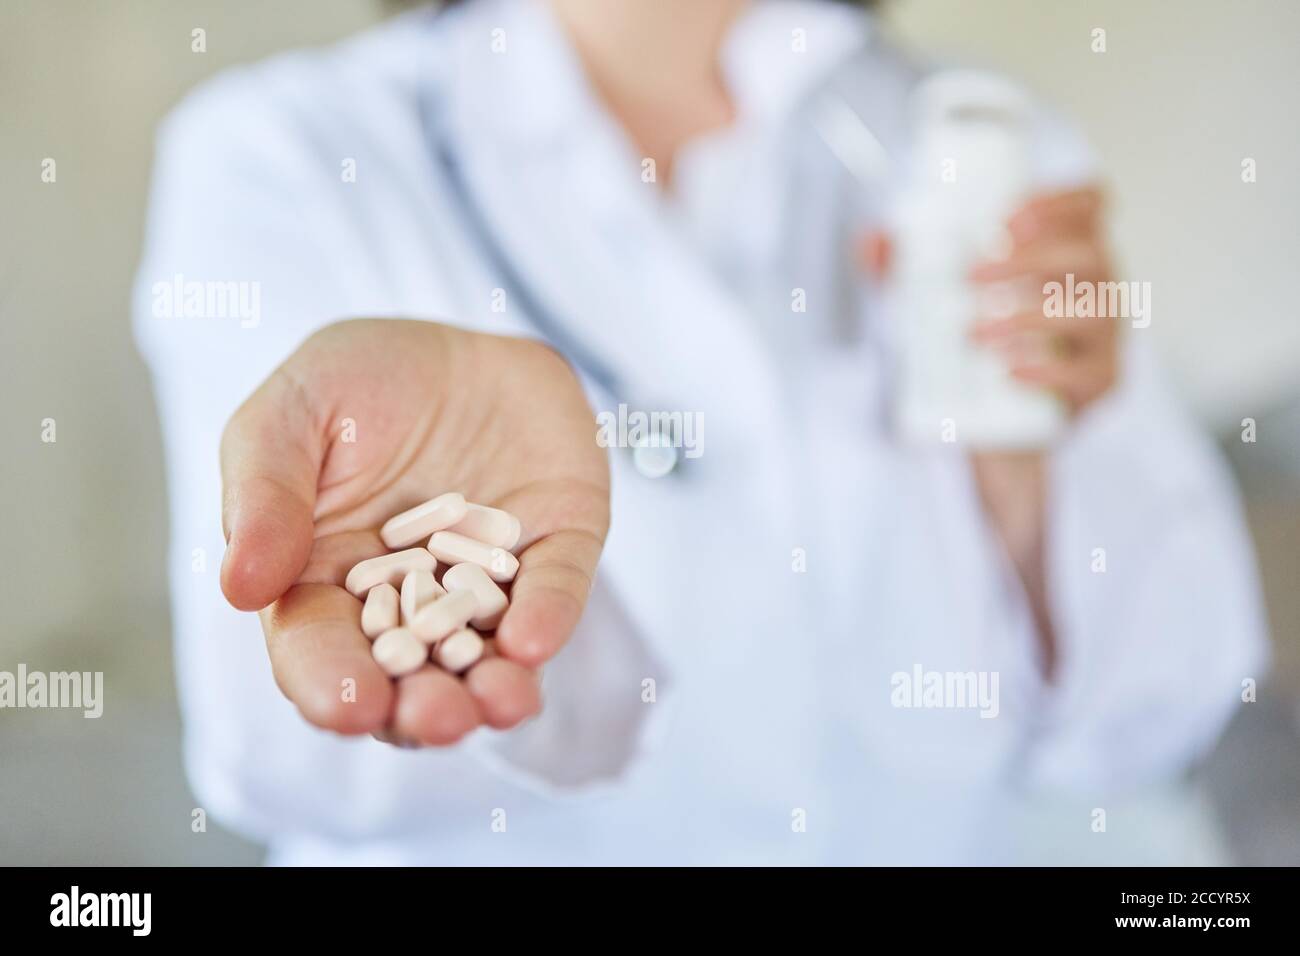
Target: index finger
column 323, row 663
column 320, row 658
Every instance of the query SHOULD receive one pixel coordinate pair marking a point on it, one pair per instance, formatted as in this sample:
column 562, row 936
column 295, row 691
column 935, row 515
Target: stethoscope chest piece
column 655, row 456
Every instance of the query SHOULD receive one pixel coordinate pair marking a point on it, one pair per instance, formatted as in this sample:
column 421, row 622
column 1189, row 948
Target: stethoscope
column 653, row 454
column 842, row 131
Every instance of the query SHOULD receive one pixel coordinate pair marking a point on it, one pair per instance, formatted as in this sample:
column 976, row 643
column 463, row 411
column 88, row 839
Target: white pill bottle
column 968, row 172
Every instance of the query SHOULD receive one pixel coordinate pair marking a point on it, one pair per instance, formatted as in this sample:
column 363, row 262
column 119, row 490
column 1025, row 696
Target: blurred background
column 1181, row 96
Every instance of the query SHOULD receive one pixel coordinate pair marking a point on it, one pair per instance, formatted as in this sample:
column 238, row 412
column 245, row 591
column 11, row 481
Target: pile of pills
column 409, row 614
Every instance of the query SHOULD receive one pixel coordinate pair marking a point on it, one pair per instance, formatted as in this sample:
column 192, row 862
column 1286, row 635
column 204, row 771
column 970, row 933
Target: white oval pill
column 418, row 589
column 492, row 526
column 458, row 652
column 380, row 611
column 423, row 520
column 491, row 599
column 452, row 548
column 436, row 620
column 388, row 569
column 399, row 652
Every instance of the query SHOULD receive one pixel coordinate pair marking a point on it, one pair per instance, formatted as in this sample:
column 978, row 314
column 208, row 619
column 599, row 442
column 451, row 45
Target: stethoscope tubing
column 551, row 328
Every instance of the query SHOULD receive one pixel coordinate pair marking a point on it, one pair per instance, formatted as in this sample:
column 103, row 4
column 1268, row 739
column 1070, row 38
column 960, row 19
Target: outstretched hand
column 371, row 417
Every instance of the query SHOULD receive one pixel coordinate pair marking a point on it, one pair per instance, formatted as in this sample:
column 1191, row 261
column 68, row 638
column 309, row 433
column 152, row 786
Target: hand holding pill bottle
column 374, row 438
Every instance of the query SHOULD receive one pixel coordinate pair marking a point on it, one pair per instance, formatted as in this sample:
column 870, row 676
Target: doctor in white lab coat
column 737, row 686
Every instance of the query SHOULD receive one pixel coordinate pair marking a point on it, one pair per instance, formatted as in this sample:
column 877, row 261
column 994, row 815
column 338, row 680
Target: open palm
column 371, row 417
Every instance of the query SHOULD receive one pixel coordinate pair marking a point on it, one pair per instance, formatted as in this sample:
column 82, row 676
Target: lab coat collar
column 778, row 51
column 517, row 78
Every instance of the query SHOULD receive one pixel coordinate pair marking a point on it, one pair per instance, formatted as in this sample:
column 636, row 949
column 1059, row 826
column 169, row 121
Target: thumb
column 271, row 454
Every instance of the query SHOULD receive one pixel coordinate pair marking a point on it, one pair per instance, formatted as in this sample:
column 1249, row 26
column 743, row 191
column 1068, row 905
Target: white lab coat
column 771, row 736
